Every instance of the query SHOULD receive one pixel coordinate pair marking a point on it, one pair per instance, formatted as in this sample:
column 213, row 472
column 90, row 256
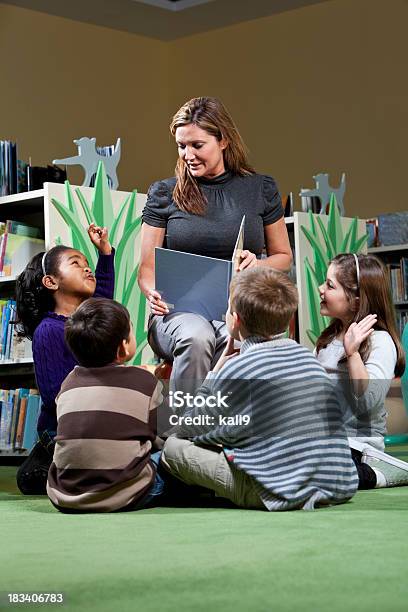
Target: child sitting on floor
column 106, row 413
column 361, row 352
column 49, row 289
column 275, row 430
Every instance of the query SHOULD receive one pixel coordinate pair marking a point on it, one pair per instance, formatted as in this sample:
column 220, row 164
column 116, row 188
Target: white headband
column 357, row 269
column 43, row 263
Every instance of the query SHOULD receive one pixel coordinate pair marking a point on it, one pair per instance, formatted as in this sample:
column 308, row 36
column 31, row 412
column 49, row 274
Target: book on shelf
column 19, row 410
column 196, row 283
column 6, row 411
column 398, row 275
column 288, row 205
column 8, row 167
column 20, row 228
column 12, row 346
column 404, row 272
column 16, row 176
column 21, row 421
column 19, row 242
column 402, row 320
column 30, row 435
column 18, row 395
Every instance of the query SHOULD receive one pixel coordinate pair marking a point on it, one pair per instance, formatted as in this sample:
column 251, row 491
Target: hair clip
column 357, row 269
column 43, row 263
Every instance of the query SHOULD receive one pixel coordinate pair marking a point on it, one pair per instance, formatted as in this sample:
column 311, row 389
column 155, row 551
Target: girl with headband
column 361, row 351
column 49, row 290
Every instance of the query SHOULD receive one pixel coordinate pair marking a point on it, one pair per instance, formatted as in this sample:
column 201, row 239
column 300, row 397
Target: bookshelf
column 395, row 257
column 27, row 208
column 388, row 249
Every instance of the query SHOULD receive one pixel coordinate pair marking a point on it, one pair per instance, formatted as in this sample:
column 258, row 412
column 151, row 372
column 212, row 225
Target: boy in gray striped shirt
column 265, row 430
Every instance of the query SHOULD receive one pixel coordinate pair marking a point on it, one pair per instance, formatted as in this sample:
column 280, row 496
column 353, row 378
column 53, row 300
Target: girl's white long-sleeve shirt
column 365, row 416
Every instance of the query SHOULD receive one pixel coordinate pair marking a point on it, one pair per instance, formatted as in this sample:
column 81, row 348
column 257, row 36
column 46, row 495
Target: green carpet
column 353, row 556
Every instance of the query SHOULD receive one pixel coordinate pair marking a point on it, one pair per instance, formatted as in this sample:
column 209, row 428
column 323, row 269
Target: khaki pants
column 207, row 467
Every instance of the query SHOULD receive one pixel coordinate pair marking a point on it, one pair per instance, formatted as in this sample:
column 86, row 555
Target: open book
column 195, row 283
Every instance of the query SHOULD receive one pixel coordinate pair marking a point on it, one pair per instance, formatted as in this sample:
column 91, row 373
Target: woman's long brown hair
column 374, row 293
column 210, row 115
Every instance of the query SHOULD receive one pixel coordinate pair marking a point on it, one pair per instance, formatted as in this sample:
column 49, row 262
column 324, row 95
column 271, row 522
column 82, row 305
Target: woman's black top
column 214, row 234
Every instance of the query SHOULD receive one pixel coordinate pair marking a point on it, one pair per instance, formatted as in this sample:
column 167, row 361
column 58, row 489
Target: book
column 6, row 417
column 287, row 205
column 8, row 167
column 21, row 421
column 3, row 247
column 404, row 270
column 18, row 251
column 21, row 348
column 10, row 332
column 196, row 283
column 14, row 416
column 5, row 320
column 21, row 176
column 30, row 435
column 22, row 229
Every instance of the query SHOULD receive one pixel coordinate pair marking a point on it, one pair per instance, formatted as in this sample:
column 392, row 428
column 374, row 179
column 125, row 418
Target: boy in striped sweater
column 265, row 430
column 104, row 457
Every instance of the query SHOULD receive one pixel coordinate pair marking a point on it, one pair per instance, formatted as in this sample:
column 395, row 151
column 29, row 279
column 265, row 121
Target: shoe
column 32, row 474
column 390, row 472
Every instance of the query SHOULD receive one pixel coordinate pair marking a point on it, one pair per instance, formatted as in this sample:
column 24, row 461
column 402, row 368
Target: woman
column 200, row 211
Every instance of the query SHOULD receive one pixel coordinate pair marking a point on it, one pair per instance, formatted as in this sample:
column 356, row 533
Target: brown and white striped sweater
column 106, row 426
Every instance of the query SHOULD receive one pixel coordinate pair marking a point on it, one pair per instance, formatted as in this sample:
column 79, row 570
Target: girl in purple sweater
column 49, row 290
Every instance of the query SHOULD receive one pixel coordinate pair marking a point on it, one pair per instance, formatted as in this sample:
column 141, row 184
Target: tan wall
column 322, row 88
column 61, row 80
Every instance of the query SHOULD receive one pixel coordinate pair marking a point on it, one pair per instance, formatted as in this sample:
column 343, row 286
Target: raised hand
column 157, row 306
column 99, row 238
column 357, row 333
column 248, row 260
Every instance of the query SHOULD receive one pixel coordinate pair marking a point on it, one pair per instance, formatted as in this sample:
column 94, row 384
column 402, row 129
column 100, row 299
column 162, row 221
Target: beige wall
column 322, row 88
column 61, row 80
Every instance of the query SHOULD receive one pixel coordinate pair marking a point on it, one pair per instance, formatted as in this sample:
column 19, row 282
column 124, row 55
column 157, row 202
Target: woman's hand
column 99, row 238
column 248, row 260
column 357, row 333
column 157, row 307
column 228, row 353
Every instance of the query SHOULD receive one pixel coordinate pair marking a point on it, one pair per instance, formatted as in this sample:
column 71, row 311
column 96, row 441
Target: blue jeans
column 158, row 487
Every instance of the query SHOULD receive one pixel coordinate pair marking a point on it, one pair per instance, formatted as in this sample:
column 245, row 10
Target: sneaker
column 390, row 472
column 32, row 474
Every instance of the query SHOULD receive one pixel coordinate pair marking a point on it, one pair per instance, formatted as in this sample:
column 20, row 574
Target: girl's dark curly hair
column 32, row 298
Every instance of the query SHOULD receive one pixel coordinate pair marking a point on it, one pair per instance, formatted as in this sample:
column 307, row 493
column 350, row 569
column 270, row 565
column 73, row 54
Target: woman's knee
column 197, row 334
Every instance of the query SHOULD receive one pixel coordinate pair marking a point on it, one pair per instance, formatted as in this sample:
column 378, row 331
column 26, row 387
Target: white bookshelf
column 8, row 279
column 392, row 254
column 13, row 362
column 7, row 452
column 34, row 197
column 388, row 249
column 27, row 207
